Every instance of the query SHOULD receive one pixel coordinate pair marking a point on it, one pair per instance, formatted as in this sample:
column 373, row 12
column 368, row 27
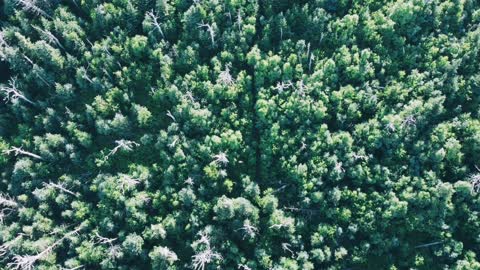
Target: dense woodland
column 240, row 134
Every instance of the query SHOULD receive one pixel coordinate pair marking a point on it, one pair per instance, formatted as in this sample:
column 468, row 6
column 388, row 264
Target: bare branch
column 210, row 30
column 244, row 267
column 155, row 22
column 104, row 240
column 30, row 6
column 60, row 187
column 225, row 78
column 5, row 248
column 27, row 262
column 122, row 144
column 221, row 158
column 169, row 114
column 127, row 182
column 286, row 247
column 248, row 230
column 201, row 259
column 13, row 93
column 50, row 37
column 18, row 150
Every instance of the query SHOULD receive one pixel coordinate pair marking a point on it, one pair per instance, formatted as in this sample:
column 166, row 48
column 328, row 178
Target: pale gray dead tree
column 239, row 20
column 189, row 95
column 207, row 255
column 243, row 267
column 221, row 158
column 409, row 121
column 282, row 86
column 20, row 151
column 248, row 230
column 7, row 206
column 27, row 262
column 391, row 127
column 154, row 18
column 475, row 181
column 167, row 254
column 122, row 144
column 210, row 30
column 127, row 182
column 339, row 167
column 286, row 247
column 173, row 143
column 189, row 181
column 31, row 6
column 73, row 268
column 12, row 92
column 225, row 77
column 104, row 240
column 50, row 37
column 7, row 246
column 169, row 114
column 60, row 187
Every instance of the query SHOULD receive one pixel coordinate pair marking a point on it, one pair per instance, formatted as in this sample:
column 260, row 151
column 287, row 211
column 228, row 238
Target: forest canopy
column 239, row 134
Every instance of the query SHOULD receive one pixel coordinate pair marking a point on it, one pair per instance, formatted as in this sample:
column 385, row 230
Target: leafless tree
column 286, row 247
column 169, row 114
column 31, row 6
column 122, row 144
column 73, row 268
column 339, row 167
column 60, row 187
column 239, row 20
column 7, row 206
column 19, row 150
column 243, row 267
column 210, row 30
column 104, row 240
column 207, row 255
column 248, row 230
column 189, row 181
column 7, row 246
column 391, row 127
column 127, row 182
column 221, row 158
column 225, row 77
column 50, row 37
column 282, row 86
column 475, row 182
column 409, row 121
column 27, row 262
column 167, row 254
column 13, row 93
column 155, row 23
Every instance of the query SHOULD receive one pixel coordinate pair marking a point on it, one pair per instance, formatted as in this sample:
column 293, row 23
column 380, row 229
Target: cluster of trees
column 240, row 134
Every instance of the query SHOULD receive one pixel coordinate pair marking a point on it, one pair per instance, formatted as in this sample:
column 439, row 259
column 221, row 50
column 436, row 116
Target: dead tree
column 169, row 114
column 19, row 150
column 27, row 262
column 221, row 158
column 155, row 22
column 127, row 182
column 122, row 144
column 30, row 6
column 206, row 256
column 50, row 37
column 7, row 246
column 248, row 230
column 210, row 30
column 60, row 187
column 225, row 77
column 13, row 93
column 7, row 206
